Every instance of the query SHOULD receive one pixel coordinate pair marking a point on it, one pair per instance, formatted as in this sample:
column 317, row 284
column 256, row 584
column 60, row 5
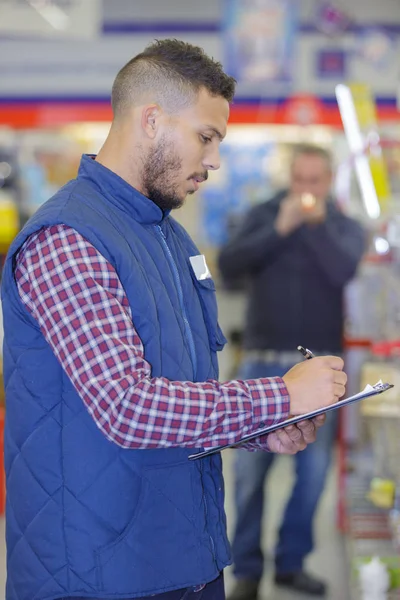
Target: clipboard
column 368, row 391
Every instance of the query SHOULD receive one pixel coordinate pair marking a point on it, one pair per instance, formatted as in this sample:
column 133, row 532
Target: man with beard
column 111, row 373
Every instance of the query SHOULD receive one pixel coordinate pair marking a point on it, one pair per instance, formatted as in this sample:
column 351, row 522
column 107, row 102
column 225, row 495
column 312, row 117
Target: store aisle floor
column 328, row 561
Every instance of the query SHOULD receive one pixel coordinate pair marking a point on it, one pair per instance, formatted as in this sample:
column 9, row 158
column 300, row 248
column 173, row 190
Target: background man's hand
column 291, row 215
column 294, row 438
column 315, row 214
column 294, row 212
column 315, row 383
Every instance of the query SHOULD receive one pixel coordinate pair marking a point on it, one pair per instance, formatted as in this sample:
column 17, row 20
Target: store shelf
column 368, row 531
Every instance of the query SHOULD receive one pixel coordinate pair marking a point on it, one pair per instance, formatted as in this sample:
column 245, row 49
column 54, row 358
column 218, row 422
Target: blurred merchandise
column 375, row 45
column 43, row 160
column 9, row 192
column 9, row 221
column 331, row 18
column 374, row 580
column 260, row 40
column 382, row 492
column 331, row 63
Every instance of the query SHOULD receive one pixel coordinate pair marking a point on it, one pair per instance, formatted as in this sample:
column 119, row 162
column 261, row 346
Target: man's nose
column 212, row 161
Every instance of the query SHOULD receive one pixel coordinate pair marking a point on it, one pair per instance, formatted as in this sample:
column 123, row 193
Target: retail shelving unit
column 368, row 533
column 369, row 530
column 373, row 313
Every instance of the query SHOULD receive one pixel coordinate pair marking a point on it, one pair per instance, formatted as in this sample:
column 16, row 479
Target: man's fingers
column 308, row 430
column 316, row 383
column 288, row 446
column 293, row 432
column 319, row 420
column 296, row 437
column 339, row 383
column 340, row 377
column 339, row 390
column 334, row 362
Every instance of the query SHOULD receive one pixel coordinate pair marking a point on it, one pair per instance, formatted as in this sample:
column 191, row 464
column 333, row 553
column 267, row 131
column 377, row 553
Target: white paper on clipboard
column 368, row 391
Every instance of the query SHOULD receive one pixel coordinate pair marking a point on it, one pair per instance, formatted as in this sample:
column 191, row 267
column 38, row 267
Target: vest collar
column 119, row 192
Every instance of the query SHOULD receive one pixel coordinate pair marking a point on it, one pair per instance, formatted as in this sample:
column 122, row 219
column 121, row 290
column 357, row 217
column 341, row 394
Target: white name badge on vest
column 200, row 267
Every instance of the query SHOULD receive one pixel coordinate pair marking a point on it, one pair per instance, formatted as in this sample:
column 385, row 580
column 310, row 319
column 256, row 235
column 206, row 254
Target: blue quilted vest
column 84, row 516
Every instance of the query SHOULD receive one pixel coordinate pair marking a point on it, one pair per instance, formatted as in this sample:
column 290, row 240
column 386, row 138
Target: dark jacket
column 295, row 283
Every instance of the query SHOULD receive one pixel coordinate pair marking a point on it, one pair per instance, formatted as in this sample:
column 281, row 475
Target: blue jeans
column 251, row 468
column 212, row 591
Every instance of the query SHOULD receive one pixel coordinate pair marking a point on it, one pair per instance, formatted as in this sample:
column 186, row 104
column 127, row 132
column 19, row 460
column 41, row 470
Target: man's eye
column 205, row 139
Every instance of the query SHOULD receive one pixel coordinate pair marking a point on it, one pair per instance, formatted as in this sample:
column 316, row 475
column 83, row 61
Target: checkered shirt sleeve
column 78, row 301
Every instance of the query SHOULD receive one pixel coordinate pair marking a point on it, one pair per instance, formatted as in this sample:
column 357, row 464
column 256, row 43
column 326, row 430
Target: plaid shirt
column 77, row 299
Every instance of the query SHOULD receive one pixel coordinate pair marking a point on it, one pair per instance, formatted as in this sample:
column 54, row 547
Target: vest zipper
column 189, row 334
column 206, row 513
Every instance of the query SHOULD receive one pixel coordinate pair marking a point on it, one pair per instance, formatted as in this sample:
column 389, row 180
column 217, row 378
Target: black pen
column 305, row 352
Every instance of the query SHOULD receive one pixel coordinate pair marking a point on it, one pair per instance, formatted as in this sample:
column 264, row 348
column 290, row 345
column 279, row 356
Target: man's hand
column 294, row 438
column 316, row 213
column 294, row 211
column 291, row 215
column 315, row 383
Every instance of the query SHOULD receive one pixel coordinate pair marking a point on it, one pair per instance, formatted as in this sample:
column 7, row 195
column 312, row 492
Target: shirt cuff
column 271, row 401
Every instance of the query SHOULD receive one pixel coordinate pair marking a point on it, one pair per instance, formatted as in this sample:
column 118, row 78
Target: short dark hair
column 312, row 150
column 170, row 72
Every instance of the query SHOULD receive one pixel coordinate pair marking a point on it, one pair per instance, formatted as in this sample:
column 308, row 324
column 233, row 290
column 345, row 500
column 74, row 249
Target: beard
column 160, row 176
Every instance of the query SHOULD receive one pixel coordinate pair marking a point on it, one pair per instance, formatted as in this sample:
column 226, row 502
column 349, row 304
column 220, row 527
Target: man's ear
column 151, row 115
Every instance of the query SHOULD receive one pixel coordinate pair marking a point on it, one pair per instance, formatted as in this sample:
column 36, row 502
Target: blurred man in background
column 297, row 251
